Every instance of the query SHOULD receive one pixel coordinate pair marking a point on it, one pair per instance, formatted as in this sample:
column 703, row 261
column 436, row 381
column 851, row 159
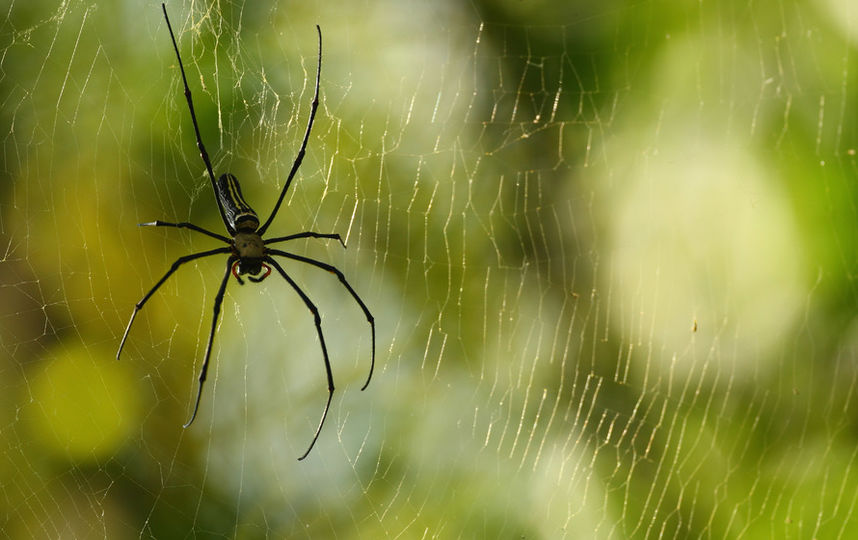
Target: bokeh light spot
column 85, row 406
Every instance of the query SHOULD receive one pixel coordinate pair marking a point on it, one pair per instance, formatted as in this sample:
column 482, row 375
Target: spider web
column 609, row 248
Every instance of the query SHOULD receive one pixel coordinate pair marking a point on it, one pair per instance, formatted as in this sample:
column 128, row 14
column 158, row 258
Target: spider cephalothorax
column 246, row 248
column 249, row 245
column 250, row 250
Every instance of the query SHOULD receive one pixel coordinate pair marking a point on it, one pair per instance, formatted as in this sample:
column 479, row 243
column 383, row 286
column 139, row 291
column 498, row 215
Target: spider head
column 249, row 266
column 252, row 267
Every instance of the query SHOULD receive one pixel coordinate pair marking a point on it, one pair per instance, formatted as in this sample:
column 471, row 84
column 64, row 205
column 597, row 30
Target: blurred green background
column 610, row 249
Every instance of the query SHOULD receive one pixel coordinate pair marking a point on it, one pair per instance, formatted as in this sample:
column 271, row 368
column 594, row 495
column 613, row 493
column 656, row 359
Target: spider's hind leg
column 334, row 270
column 317, row 319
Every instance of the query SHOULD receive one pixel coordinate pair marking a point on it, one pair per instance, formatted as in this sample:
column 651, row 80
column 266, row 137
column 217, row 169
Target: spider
column 247, row 252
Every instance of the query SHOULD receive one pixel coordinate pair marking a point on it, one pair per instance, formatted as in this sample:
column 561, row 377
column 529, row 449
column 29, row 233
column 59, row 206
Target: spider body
column 248, row 253
column 242, row 222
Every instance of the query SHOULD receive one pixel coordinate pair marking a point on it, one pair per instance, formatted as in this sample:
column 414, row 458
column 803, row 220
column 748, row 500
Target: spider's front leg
column 185, row 225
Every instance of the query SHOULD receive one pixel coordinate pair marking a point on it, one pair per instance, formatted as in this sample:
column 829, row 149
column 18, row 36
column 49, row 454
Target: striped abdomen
column 238, row 213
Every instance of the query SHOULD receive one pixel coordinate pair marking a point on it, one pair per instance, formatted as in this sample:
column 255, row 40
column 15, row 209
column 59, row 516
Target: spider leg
column 200, row 147
column 318, row 321
column 348, row 287
column 300, row 156
column 185, row 225
column 179, row 262
column 217, row 303
column 308, row 234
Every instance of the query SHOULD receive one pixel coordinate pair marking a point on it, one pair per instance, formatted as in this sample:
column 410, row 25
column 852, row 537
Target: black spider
column 248, row 252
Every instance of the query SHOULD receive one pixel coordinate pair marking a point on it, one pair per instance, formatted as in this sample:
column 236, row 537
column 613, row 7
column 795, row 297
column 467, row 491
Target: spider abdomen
column 238, row 213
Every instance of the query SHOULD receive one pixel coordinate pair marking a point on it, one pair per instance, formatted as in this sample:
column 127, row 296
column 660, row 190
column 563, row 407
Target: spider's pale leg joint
column 127, row 330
